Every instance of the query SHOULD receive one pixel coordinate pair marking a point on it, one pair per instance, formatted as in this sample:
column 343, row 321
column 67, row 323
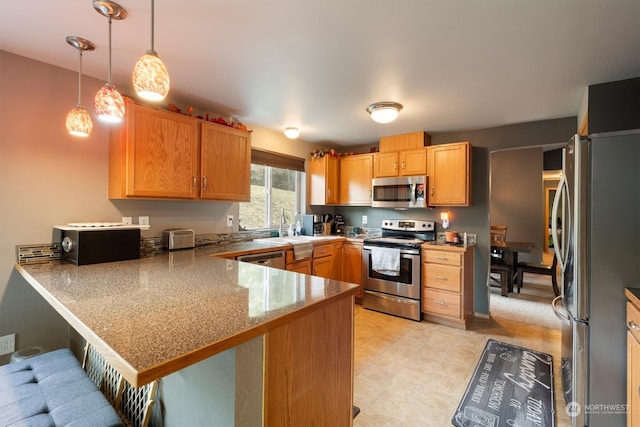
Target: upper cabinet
column 158, row 154
column 225, row 163
column 401, row 155
column 449, row 170
column 322, row 180
column 355, row 180
column 402, row 142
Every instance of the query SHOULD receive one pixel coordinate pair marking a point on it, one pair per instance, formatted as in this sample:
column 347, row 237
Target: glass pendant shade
column 79, row 122
column 150, row 77
column 109, row 104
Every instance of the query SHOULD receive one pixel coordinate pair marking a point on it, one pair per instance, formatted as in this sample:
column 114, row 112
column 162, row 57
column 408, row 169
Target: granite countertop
column 157, row 315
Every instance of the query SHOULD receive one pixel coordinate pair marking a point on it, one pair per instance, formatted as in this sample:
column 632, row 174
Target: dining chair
column 499, row 234
column 546, row 269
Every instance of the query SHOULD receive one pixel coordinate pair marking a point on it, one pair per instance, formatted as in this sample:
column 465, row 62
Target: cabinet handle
column 194, row 182
column 395, row 166
column 441, row 278
column 440, row 303
column 432, row 191
column 443, row 258
column 204, row 183
column 633, row 325
column 403, row 165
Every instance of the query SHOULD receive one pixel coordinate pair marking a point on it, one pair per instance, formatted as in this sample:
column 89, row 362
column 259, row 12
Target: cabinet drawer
column 443, row 257
column 442, row 303
column 633, row 320
column 322, row 251
column 443, row 277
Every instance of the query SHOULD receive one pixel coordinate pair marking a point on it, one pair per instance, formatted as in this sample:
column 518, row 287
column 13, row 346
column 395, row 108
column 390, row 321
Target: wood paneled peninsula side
column 156, row 316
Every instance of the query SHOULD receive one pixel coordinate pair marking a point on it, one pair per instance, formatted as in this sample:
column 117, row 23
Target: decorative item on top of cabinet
column 225, row 163
column 355, row 180
column 633, row 357
column 322, row 179
column 447, row 284
column 449, row 171
column 154, row 154
column 407, row 141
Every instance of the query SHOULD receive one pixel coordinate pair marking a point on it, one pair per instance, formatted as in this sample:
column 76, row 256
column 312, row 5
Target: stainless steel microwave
column 400, row 192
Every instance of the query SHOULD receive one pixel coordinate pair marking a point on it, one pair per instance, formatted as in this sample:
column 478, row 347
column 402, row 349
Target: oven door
column 406, row 284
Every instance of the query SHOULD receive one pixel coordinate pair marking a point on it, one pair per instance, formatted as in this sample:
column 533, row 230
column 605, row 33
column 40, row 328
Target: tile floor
column 414, row 373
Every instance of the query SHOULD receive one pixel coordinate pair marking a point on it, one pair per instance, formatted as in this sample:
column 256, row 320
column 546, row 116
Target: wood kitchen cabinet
column 225, row 163
column 355, row 180
column 449, row 170
column 158, row 154
column 323, row 180
column 447, row 284
column 402, row 142
column 352, row 264
column 299, row 266
column 323, row 258
column 403, row 163
column 154, row 154
column 633, row 359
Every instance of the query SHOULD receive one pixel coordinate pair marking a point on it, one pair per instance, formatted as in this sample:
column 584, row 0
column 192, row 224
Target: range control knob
column 67, row 244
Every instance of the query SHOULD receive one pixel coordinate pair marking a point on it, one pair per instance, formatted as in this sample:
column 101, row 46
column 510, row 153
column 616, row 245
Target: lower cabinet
column 299, row 266
column 352, row 264
column 633, row 363
column 323, row 260
column 447, row 284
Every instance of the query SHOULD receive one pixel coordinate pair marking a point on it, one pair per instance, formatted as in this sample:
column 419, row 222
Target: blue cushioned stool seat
column 52, row 389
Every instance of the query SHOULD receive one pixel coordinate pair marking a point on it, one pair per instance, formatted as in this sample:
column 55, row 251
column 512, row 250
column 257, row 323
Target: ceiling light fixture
column 384, row 112
column 150, row 77
column 292, row 133
column 108, row 103
column 78, row 119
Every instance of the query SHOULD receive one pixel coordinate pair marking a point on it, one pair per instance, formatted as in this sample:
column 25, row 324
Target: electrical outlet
column 7, row 344
column 143, row 220
column 127, row 220
column 229, row 220
column 364, row 220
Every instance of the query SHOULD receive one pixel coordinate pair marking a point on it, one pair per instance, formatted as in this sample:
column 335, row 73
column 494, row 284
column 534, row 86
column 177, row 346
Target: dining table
column 510, row 252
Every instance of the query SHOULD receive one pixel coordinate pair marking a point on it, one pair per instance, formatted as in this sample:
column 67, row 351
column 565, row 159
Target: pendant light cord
column 109, row 70
column 152, row 25
column 80, row 76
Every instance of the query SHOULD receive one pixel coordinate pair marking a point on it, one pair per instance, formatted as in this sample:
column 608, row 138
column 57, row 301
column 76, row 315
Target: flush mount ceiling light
column 108, row 103
column 150, row 77
column 78, row 120
column 384, row 112
column 292, row 133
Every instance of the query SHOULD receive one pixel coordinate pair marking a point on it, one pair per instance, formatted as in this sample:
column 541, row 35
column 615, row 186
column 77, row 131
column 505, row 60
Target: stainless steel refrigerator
column 596, row 230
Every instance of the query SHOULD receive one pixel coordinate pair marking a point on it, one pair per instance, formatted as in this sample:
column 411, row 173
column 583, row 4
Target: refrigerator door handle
column 560, row 250
column 564, row 317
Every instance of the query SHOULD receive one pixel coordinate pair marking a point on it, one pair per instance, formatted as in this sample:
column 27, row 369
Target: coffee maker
column 338, row 225
column 318, row 225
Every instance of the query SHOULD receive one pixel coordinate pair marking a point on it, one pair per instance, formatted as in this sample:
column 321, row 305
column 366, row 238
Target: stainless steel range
column 392, row 267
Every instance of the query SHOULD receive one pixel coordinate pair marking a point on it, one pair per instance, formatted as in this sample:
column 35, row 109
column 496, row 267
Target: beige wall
column 49, row 177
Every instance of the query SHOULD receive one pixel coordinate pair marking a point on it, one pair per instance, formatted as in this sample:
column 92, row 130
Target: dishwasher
column 273, row 259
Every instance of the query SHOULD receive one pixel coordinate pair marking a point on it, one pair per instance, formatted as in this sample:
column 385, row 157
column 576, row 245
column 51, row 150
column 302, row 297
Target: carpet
column 511, row 386
column 532, row 305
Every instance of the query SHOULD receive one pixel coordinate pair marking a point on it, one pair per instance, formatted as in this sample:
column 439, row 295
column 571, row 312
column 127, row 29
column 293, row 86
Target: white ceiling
column 454, row 65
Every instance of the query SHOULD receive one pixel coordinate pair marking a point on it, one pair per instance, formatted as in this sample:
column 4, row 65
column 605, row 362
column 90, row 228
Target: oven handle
column 402, row 251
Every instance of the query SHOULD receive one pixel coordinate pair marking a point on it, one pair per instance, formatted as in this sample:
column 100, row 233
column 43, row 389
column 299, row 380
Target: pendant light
column 78, row 119
column 384, row 112
column 109, row 104
column 150, row 77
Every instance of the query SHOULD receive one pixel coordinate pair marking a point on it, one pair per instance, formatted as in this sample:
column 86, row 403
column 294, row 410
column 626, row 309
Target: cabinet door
column 303, row 266
column 323, row 267
column 322, row 180
column 413, row 162
column 633, row 380
column 225, row 163
column 161, row 155
column 449, row 169
column 405, row 141
column 385, row 164
column 355, row 180
column 352, row 264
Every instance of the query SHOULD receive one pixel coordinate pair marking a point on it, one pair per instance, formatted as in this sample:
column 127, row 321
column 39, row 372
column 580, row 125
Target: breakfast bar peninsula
column 156, row 317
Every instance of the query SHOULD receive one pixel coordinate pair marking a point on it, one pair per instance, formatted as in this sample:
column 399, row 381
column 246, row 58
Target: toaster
column 178, row 238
